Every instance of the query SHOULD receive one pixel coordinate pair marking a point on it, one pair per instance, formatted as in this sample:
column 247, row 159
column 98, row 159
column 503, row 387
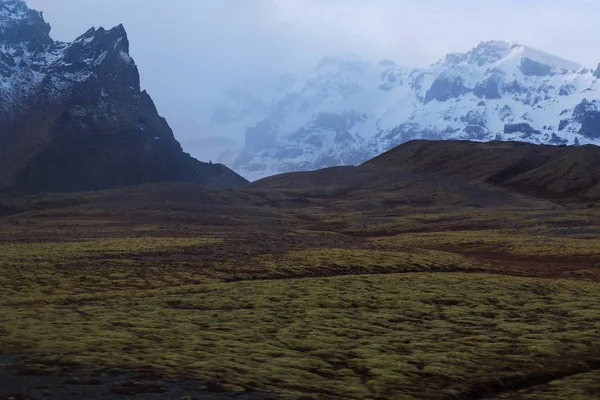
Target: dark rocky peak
column 106, row 53
column 489, row 52
column 455, row 58
column 533, row 62
column 522, row 127
column 587, row 113
column 533, row 68
column 488, row 88
column 597, row 72
column 98, row 44
column 115, row 37
column 73, row 117
column 449, row 85
column 484, row 53
column 19, row 24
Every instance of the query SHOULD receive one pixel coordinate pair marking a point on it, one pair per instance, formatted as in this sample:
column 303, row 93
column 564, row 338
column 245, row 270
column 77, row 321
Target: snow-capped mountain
column 73, row 116
column 348, row 110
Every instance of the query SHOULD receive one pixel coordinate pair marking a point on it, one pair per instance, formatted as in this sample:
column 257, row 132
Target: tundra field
column 257, row 293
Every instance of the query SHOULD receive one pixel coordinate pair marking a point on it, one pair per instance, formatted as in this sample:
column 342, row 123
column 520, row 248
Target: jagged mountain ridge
column 348, row 110
column 73, row 116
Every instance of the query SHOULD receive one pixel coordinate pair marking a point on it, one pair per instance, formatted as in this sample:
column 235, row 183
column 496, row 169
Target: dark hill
column 382, row 187
column 550, row 172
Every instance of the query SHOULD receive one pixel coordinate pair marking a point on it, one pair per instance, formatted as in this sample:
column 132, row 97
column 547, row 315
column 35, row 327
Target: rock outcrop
column 73, row 116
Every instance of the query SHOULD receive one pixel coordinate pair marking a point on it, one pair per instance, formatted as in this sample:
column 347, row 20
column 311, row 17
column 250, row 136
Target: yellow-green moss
column 383, row 336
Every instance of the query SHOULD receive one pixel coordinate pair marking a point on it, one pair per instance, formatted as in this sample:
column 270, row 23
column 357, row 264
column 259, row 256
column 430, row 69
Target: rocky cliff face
column 347, row 111
column 73, row 117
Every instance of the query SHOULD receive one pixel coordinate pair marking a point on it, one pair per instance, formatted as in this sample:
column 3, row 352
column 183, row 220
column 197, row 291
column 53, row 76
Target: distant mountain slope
column 347, row 110
column 552, row 172
column 73, row 117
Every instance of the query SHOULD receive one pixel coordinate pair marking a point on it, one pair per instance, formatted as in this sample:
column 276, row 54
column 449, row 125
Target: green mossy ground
column 434, row 304
column 383, row 336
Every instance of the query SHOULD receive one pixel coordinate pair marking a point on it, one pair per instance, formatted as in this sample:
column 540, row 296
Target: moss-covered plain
column 401, row 303
column 388, row 336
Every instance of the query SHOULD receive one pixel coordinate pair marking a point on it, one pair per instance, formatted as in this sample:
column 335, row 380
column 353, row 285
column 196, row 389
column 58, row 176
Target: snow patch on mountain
column 33, row 69
column 12, row 11
column 347, row 110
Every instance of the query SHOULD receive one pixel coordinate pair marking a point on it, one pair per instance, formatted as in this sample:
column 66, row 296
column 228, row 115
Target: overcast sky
column 188, row 50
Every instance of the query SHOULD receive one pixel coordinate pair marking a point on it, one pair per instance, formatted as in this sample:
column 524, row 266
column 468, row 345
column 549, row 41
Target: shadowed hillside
column 553, row 172
column 386, row 188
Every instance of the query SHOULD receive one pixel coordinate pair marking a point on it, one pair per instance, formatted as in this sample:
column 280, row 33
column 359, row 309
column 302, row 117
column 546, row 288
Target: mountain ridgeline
column 346, row 111
column 73, row 116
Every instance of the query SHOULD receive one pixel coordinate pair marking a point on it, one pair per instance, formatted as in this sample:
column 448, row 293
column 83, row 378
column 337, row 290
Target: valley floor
column 298, row 298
